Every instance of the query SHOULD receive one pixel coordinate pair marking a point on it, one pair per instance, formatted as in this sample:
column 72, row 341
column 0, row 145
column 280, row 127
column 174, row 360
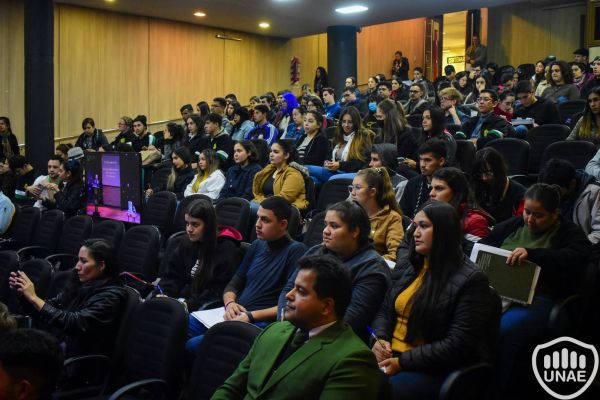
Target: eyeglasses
column 483, row 99
column 354, row 188
column 445, row 98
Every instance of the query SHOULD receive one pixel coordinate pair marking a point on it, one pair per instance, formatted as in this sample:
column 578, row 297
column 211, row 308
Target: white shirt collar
column 319, row 329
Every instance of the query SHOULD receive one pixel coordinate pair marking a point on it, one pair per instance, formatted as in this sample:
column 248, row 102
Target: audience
column 481, row 83
column 7, row 179
column 10, row 146
column 299, row 350
column 62, row 150
column 218, row 107
column 24, row 174
column 210, row 179
column 7, row 321
column 238, row 182
column 195, row 140
column 384, row 155
column 91, row 138
column 172, row 138
column 204, row 262
column 541, row 110
column 487, row 124
column 39, row 188
column 86, row 313
column 142, row 138
column 561, row 86
column 69, row 195
column 539, row 74
column 504, row 108
column 417, row 101
column 332, row 109
column 263, row 128
column 295, row 129
column 494, row 191
column 372, row 189
column 433, row 127
column 400, row 66
column 346, row 237
column 242, row 124
column 396, row 129
column 7, row 212
column 434, row 318
column 351, row 100
column 218, row 140
column 450, row 98
column 313, row 147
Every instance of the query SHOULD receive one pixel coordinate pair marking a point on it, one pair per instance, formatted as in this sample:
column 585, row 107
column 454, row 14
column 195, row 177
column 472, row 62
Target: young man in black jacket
column 486, row 121
column 543, row 111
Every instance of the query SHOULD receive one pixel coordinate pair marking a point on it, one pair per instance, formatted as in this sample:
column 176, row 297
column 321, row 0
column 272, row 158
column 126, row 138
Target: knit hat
column 75, row 153
column 142, row 119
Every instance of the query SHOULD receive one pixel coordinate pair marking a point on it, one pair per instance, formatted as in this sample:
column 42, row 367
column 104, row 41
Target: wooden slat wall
column 377, row 44
column 525, row 32
column 12, row 72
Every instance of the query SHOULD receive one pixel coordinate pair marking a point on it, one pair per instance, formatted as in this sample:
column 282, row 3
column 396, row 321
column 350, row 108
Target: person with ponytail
column 372, row 189
column 559, row 247
column 205, row 261
column 434, row 317
column 588, row 126
column 210, row 179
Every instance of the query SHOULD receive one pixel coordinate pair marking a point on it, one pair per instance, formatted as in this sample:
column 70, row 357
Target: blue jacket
column 238, row 182
column 292, row 132
column 267, row 132
column 333, row 111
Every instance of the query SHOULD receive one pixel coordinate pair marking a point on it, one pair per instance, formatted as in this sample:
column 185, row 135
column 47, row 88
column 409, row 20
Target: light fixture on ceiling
column 199, row 14
column 351, row 9
column 264, row 25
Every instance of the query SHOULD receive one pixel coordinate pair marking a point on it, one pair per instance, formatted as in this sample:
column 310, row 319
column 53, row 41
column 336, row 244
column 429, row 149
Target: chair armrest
column 75, row 377
column 28, row 252
column 565, row 314
column 158, row 386
column 62, row 261
column 467, row 383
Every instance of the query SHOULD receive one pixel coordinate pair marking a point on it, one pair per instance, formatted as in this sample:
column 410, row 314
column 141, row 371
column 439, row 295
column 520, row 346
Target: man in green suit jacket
column 313, row 354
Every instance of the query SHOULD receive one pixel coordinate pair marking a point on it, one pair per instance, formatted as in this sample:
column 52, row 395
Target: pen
column 375, row 336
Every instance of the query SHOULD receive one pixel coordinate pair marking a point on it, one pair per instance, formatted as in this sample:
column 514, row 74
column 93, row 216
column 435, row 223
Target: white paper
column 490, row 249
column 209, row 318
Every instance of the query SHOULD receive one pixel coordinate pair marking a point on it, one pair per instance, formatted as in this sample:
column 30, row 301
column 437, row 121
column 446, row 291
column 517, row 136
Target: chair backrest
column 110, row 230
column 332, row 191
column 578, row 152
column 159, row 178
column 75, row 231
column 569, row 108
column 23, row 226
column 515, row 152
column 155, row 345
column 224, row 346
column 234, row 212
column 179, row 219
column 48, row 230
column 58, row 283
column 262, row 148
column 541, row 137
column 130, row 307
column 465, row 155
column 39, row 272
column 170, row 247
column 139, row 251
column 415, row 120
column 453, row 128
column 311, row 195
column 9, row 261
column 314, row 231
column 526, row 71
column 160, row 211
column 330, row 132
column 574, row 119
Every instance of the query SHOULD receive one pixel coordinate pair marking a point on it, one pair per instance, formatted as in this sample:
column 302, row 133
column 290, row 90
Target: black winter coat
column 70, row 200
column 455, row 333
column 317, row 151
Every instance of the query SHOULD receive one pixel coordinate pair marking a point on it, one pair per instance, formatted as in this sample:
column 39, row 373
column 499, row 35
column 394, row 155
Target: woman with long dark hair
column 481, row 82
column 238, row 182
column 70, row 198
column 433, row 319
column 242, row 124
column 588, row 126
column 396, row 129
column 204, row 262
column 181, row 174
column 87, row 312
column 313, row 147
column 171, row 140
column 494, row 191
column 434, row 127
column 9, row 145
column 540, row 73
column 462, row 83
column 321, row 81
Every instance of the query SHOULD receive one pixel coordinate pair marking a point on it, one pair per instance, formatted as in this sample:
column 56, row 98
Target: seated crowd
column 390, row 288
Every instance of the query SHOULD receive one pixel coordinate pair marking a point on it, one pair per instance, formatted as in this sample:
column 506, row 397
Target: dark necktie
column 299, row 338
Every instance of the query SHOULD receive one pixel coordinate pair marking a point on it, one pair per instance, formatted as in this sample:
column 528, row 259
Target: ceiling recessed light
column 351, row 9
column 199, row 14
column 264, row 25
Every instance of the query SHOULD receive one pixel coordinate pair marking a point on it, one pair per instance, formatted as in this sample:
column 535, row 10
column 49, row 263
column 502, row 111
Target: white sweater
column 211, row 187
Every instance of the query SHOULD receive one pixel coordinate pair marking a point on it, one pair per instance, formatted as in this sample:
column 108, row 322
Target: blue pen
column 375, row 336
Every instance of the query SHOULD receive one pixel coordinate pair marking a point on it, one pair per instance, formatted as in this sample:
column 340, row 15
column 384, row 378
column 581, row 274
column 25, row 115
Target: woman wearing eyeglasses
column 372, row 189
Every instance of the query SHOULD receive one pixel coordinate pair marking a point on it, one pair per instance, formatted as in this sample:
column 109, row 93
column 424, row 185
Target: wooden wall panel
column 377, row 44
column 185, row 66
column 12, row 66
column 103, row 68
column 525, row 32
column 312, row 53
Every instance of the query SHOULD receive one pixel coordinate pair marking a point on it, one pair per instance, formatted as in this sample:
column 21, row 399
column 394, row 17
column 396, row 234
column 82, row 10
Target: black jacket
column 317, row 151
column 223, row 142
column 406, row 144
column 70, row 200
column 562, row 266
column 455, row 333
column 196, row 144
column 415, row 194
column 14, row 145
column 123, row 137
column 184, row 177
column 98, row 140
column 543, row 111
column 87, row 323
column 238, row 182
column 492, row 122
column 177, row 280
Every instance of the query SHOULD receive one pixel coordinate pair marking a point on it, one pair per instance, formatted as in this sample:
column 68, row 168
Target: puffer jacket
column 87, row 324
column 455, row 333
column 238, row 182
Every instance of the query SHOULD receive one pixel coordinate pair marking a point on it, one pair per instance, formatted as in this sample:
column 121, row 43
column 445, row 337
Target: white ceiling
column 288, row 18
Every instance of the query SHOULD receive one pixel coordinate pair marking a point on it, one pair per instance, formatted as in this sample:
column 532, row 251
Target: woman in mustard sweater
column 282, row 177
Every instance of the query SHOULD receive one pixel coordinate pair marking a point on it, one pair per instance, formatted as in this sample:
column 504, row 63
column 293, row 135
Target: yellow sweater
column 386, row 232
column 403, row 307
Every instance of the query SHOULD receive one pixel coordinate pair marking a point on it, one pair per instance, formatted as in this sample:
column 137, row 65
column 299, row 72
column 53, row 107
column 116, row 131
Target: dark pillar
column 341, row 55
column 39, row 81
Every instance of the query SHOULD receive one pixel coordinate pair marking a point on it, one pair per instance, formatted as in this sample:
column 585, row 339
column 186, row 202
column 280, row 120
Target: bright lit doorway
column 454, row 33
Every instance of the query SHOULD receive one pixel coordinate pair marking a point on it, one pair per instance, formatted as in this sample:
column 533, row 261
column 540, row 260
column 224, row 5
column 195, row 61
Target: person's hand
column 242, row 317
column 333, row 165
column 34, row 190
column 390, row 366
column 20, row 282
column 452, row 111
column 517, row 256
column 382, row 352
column 52, row 186
column 233, row 310
column 101, row 149
column 151, row 147
column 149, row 192
column 412, row 164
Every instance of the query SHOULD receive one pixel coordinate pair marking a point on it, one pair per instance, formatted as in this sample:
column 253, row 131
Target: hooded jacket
column 238, row 182
column 584, row 206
